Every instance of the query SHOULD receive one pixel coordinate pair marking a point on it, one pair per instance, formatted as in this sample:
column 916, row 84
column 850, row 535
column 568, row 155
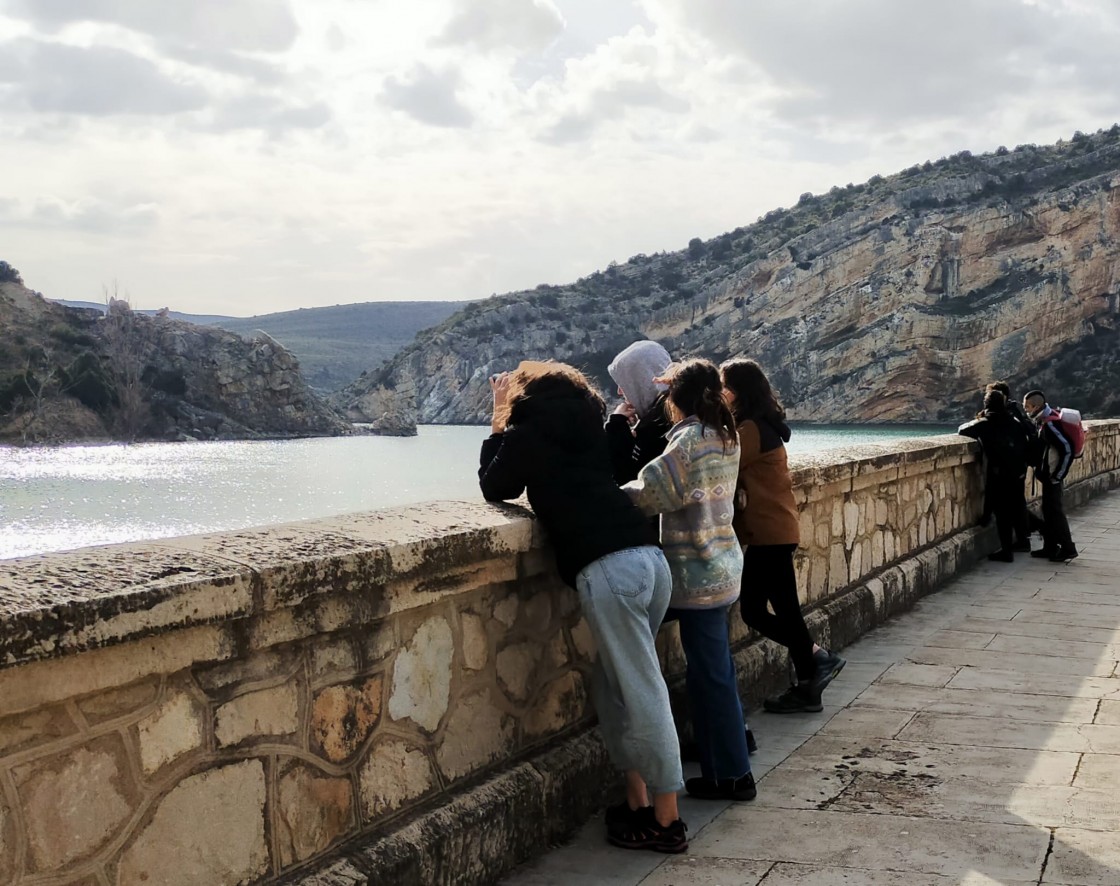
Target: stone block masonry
column 399, row 696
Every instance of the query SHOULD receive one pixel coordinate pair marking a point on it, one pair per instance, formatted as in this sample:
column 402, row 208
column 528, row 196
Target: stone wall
column 398, row 696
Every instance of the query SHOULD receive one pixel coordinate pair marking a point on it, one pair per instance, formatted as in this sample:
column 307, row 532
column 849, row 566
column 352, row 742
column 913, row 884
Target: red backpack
column 1069, row 421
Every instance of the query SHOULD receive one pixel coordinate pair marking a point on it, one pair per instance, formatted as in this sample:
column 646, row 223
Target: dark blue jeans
column 713, row 692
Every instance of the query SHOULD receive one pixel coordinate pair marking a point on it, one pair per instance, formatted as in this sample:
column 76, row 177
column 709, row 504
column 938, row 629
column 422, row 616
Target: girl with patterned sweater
column 692, row 486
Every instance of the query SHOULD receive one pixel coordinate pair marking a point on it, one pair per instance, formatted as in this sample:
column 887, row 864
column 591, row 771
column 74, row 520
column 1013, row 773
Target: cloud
column 428, row 96
column 88, row 215
column 267, row 113
column 523, row 25
column 612, row 102
column 94, row 81
column 258, row 25
column 226, row 62
column 881, row 61
column 622, row 78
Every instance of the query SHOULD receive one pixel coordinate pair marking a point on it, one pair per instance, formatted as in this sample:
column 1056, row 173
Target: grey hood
column 635, row 369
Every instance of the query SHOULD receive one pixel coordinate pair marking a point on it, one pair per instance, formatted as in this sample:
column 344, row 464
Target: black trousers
column 769, row 577
column 1053, row 525
column 1007, row 499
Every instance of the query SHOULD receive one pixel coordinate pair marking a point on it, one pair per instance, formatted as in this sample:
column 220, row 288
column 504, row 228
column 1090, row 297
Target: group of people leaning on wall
column 1015, row 438
column 674, row 507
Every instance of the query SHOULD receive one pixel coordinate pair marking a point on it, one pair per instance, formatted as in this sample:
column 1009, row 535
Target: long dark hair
column 695, row 389
column 754, row 397
column 995, row 403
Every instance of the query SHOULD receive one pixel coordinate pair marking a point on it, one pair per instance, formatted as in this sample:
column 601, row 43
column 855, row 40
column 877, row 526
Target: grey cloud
column 95, row 81
column 336, row 40
column 227, row 62
column 611, row 103
column 268, row 113
column 90, row 215
column 428, row 96
column 264, row 25
column 493, row 24
column 882, row 60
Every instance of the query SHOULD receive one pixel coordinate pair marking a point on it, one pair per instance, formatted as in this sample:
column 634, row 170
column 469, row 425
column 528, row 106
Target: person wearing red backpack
column 1060, row 445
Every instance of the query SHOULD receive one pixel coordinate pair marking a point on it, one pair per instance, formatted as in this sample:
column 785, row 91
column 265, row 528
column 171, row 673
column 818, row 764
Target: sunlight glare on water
column 59, row 498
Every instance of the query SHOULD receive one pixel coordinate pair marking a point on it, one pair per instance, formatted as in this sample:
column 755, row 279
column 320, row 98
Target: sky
column 249, row 156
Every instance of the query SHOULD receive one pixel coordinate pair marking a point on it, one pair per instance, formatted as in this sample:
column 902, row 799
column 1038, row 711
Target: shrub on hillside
column 8, row 274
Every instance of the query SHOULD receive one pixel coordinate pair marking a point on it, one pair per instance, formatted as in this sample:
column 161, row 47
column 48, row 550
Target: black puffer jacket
column 555, row 448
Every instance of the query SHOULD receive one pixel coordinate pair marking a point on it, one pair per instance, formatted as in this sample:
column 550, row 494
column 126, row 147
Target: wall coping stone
column 53, row 605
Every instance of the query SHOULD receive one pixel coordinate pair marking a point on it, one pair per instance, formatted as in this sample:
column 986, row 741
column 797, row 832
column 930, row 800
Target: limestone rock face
column 894, row 301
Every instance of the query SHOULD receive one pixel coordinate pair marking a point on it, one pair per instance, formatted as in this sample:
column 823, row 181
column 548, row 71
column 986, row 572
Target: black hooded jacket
column 632, row 450
column 555, row 448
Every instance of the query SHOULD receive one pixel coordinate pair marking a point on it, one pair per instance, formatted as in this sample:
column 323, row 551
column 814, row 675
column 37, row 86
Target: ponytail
column 695, row 389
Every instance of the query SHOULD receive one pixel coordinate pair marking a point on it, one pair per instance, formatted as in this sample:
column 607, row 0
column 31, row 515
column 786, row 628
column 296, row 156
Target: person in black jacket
column 637, row 430
column 548, row 440
column 1005, row 461
column 1056, row 460
column 1021, row 519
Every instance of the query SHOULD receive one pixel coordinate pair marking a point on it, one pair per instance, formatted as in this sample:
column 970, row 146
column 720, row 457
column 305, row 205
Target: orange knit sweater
column 765, row 511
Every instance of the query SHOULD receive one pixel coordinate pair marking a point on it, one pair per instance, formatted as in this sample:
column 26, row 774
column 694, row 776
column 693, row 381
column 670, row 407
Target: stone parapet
column 242, row 707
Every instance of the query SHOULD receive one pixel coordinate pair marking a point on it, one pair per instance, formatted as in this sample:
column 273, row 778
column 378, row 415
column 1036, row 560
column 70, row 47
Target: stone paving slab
column 875, row 842
column 992, row 765
column 972, row 742
column 981, row 703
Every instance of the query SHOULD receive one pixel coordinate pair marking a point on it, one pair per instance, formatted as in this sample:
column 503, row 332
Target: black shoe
column 1022, row 547
column 742, row 789
column 1044, row 553
column 795, row 700
column 752, row 745
column 1002, row 557
column 1063, row 554
column 621, row 814
column 829, row 666
column 643, row 831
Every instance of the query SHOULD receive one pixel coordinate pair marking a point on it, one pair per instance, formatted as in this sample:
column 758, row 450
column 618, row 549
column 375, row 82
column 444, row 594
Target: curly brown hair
column 537, row 378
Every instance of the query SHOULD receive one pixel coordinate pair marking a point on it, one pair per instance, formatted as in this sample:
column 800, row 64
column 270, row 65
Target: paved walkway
column 974, row 740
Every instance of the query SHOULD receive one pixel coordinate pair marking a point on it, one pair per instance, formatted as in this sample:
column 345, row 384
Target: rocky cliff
column 68, row 374
column 895, row 300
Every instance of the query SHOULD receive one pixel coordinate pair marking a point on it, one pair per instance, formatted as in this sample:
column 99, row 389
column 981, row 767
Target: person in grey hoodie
column 637, row 433
column 637, row 430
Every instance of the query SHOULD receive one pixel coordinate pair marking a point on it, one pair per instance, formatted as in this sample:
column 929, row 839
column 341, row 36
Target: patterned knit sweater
column 692, row 486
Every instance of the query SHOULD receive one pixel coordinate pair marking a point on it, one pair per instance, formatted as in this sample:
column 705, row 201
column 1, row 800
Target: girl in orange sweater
column 767, row 524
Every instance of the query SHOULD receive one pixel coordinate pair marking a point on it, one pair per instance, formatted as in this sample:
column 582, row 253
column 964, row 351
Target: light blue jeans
column 624, row 596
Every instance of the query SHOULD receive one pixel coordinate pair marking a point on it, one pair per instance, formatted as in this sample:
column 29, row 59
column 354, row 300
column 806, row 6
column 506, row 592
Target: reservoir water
column 59, row 498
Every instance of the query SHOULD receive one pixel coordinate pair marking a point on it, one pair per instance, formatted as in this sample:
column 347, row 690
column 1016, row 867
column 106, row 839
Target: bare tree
column 124, row 346
column 42, row 381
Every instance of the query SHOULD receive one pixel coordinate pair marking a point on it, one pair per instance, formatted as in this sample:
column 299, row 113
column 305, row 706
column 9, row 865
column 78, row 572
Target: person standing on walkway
column 638, row 429
column 1005, row 471
column 1020, row 520
column 548, row 439
column 1056, row 460
column 692, row 486
column 767, row 524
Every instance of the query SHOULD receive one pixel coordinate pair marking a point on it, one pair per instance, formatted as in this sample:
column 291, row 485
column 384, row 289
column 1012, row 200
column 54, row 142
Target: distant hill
column 334, row 345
